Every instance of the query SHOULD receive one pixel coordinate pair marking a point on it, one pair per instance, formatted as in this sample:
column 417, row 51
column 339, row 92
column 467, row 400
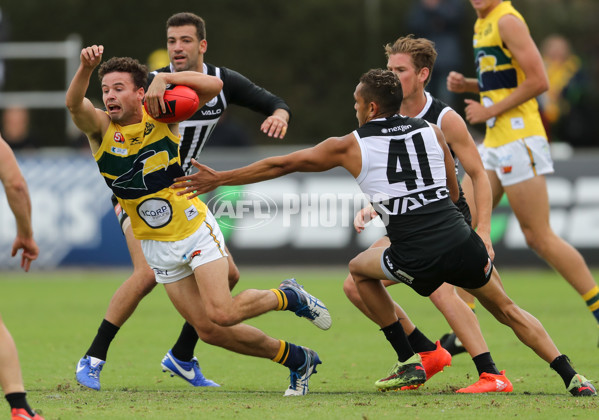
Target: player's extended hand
column 475, row 112
column 30, row 251
column 203, row 181
column 91, row 57
column 276, row 124
column 155, row 96
column 364, row 216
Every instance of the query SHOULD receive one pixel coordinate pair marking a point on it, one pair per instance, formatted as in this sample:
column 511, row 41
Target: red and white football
column 181, row 103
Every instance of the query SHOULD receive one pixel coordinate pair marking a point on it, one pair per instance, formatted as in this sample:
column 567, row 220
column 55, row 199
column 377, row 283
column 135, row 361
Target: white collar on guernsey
column 429, row 101
column 204, row 68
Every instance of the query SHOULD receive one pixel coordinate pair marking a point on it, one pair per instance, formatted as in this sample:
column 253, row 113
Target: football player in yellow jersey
column 180, row 239
column 515, row 151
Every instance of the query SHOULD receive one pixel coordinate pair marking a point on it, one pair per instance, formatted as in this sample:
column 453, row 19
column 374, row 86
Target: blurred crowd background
column 309, row 52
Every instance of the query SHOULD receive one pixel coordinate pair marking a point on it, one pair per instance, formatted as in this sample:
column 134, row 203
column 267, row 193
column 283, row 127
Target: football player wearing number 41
column 430, row 243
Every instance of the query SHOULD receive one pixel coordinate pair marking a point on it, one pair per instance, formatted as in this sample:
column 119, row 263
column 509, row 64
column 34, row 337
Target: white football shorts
column 173, row 261
column 519, row 160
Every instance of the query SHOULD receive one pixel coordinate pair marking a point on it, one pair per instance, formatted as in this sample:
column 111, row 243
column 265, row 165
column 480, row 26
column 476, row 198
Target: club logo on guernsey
column 212, row 102
column 156, row 212
column 148, row 129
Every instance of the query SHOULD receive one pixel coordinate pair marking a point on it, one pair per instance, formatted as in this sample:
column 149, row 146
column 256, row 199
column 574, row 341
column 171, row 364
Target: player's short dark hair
column 138, row 71
column 421, row 50
column 383, row 88
column 187, row 18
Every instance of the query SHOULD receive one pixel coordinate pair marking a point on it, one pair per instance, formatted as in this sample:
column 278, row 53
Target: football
column 181, row 103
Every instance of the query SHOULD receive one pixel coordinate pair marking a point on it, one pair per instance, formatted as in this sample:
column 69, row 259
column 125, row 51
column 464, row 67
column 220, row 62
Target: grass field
column 54, row 315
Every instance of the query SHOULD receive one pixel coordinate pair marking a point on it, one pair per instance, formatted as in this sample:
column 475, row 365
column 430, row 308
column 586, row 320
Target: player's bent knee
column 355, row 267
column 209, row 333
column 233, row 277
column 145, row 281
column 222, row 317
column 350, row 290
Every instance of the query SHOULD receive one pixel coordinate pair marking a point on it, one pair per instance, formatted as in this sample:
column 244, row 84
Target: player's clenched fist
column 92, row 56
column 456, row 82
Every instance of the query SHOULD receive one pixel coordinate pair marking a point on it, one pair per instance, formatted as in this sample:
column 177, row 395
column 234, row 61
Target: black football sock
column 561, row 364
column 484, row 363
column 186, row 343
column 288, row 300
column 420, row 342
column 290, row 355
column 399, row 341
column 18, row 400
column 99, row 347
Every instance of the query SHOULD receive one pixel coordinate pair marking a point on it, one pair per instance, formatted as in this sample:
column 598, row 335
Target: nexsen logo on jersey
column 396, row 129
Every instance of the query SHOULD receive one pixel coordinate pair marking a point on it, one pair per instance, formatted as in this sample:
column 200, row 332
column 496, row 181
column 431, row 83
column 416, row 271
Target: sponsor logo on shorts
column 403, row 276
column 389, row 263
column 506, row 169
column 399, row 274
column 488, row 267
column 195, row 254
column 156, row 212
column 160, row 272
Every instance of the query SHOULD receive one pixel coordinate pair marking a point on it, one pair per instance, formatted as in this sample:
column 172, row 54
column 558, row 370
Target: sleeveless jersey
column 434, row 110
column 498, row 76
column 139, row 162
column 403, row 176
column 237, row 90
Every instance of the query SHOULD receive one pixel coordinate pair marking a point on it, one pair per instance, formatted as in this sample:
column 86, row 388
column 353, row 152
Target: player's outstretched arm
column 331, row 153
column 17, row 195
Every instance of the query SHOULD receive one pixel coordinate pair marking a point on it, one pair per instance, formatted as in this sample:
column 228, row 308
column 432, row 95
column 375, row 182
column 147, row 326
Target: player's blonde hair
column 421, row 50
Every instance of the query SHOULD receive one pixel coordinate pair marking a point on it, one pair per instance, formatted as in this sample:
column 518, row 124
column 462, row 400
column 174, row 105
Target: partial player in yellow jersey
column 138, row 157
column 515, row 152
